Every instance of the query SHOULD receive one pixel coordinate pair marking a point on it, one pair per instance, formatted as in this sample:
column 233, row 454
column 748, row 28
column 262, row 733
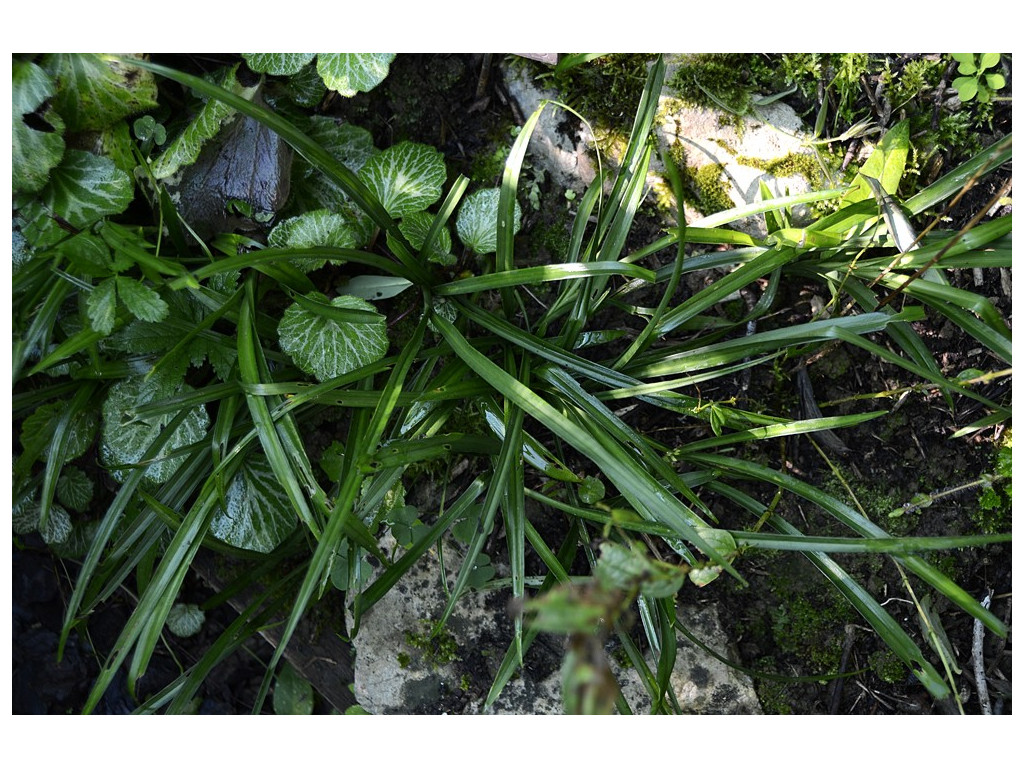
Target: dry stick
column 978, row 654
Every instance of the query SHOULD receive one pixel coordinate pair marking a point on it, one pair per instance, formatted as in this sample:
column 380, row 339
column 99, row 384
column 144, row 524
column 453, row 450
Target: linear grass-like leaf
column 984, row 162
column 881, row 621
column 854, row 520
column 541, row 274
column 768, row 432
column 771, row 341
column 366, row 598
column 925, row 373
column 260, row 410
column 154, row 603
column 363, row 440
column 759, row 266
column 635, row 483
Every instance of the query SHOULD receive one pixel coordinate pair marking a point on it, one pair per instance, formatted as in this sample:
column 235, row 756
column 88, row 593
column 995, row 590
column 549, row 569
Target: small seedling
column 975, row 80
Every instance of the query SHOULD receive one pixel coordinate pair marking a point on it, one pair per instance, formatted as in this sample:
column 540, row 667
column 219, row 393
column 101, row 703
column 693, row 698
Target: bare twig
column 978, row 655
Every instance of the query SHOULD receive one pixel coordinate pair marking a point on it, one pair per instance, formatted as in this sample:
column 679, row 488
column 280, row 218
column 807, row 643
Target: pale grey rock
column 707, row 135
column 556, row 146
column 394, row 676
column 702, row 684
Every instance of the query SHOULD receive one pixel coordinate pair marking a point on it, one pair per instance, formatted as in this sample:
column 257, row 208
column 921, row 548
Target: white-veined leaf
column 325, row 348
column 84, row 188
column 93, row 93
column 126, row 437
column 277, row 63
column 74, row 488
column 477, row 222
column 350, row 73
column 406, row 178
column 58, row 527
column 256, row 514
column 415, row 227
column 185, row 147
column 38, row 430
column 313, row 229
column 35, row 152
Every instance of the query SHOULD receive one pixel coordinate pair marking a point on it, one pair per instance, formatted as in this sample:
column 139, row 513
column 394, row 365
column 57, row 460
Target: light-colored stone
column 708, row 136
column 554, row 147
column 702, row 684
column 393, row 676
column 711, row 137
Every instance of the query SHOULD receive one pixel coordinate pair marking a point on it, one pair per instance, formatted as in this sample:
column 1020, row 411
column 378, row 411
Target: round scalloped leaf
column 38, row 430
column 94, row 92
column 256, row 514
column 406, row 178
column 37, row 131
column 25, row 516
column 126, row 437
column 350, row 145
column 591, row 490
column 350, row 73
column 293, row 694
column 323, row 347
column 415, row 227
column 311, row 230
column 477, row 223
column 185, row 619
column 85, row 188
column 277, row 63
column 724, row 544
column 74, row 489
column 57, row 528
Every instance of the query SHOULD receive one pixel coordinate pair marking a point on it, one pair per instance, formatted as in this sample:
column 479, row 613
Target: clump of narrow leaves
column 188, row 376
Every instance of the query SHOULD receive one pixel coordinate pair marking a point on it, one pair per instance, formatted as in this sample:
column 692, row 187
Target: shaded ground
column 788, row 622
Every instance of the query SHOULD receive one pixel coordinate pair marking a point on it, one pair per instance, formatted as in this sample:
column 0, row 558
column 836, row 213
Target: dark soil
column 788, row 623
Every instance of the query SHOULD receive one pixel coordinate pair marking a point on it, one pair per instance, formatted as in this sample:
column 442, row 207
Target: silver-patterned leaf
column 256, row 514
column 84, row 188
column 184, row 149
column 416, row 226
column 324, row 347
column 477, row 222
column 95, row 92
column 350, row 73
column 311, row 230
column 185, row 619
column 35, row 152
column 57, row 528
column 406, row 178
column 277, row 63
column 126, row 437
column 74, row 489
